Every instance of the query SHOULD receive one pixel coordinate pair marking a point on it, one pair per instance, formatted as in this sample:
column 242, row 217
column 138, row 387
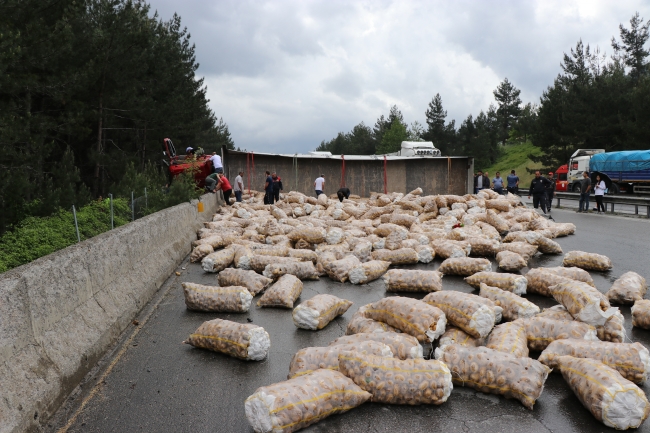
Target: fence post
column 76, row 226
column 110, row 196
column 132, row 208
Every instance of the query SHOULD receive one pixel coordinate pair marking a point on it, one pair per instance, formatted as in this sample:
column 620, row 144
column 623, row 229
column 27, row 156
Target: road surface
column 153, row 383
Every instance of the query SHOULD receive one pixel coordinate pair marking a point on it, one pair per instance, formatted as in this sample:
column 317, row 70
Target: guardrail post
column 636, row 209
column 558, row 202
column 612, row 207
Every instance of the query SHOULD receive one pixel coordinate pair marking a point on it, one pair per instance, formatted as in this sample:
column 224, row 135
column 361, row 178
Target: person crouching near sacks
column 223, row 185
column 343, row 193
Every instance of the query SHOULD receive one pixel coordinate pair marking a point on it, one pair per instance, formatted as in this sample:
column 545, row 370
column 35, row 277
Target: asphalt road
column 153, row 383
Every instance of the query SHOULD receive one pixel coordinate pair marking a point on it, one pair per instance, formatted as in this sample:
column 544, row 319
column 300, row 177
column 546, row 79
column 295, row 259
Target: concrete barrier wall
column 60, row 313
column 433, row 175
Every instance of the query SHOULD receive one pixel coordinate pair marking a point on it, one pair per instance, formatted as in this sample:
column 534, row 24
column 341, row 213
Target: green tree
column 507, row 97
column 392, row 139
column 440, row 133
column 631, row 49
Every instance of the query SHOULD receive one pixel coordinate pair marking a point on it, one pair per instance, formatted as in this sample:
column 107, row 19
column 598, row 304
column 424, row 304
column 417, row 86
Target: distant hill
column 515, row 157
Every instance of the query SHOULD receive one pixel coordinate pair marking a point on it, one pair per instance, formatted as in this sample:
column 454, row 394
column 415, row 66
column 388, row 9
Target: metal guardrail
column 610, row 200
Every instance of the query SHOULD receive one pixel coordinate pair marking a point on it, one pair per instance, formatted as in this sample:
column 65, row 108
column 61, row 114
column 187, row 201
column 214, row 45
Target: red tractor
column 198, row 163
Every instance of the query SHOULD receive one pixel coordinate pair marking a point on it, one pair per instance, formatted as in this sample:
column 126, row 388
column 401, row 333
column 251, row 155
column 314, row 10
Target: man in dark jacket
column 481, row 181
column 277, row 186
column 550, row 191
column 343, row 193
column 538, row 191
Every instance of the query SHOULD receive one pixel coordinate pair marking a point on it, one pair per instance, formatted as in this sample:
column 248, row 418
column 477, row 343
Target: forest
column 594, row 102
column 88, row 91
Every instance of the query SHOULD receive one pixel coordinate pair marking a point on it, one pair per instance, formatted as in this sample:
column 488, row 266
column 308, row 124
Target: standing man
column 319, row 184
column 239, row 186
column 481, row 182
column 497, row 183
column 277, row 186
column 513, row 183
column 538, row 191
column 268, row 188
column 585, row 189
column 550, row 191
column 217, row 166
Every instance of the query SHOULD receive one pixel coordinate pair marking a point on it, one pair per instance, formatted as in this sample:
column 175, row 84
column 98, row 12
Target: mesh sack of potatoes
column 310, row 359
column 234, row 299
column 215, row 241
column 343, row 247
column 239, row 340
column 292, row 405
column 270, row 250
column 302, row 270
column 359, row 324
column 641, row 314
column 573, row 273
column 426, row 254
column 627, row 289
column 526, row 236
column 483, row 247
column 313, row 235
column 402, row 256
column 497, row 222
column 585, row 303
column 279, row 240
column 464, row 266
column 419, row 319
column 334, row 236
column 611, row 399
column 509, row 261
column 368, row 271
column 283, row 293
column 455, row 335
column 631, row 360
column 397, row 381
column 450, row 250
column 562, row 229
column 402, row 345
column 304, row 255
column 278, row 213
column 259, row 262
column 588, row 261
column 493, row 372
column 541, row 331
column 242, row 257
column 338, row 270
column 462, row 311
column 254, row 282
column 509, row 338
column 322, row 200
column 270, row 228
column 514, row 283
column 540, row 281
column 500, row 205
column 514, row 306
column 326, row 257
column 613, row 330
column 547, row 246
column 411, row 280
column 403, row 220
column 410, row 243
column 219, row 260
column 394, row 240
column 319, row 311
column 200, row 251
column 363, row 251
column 386, row 229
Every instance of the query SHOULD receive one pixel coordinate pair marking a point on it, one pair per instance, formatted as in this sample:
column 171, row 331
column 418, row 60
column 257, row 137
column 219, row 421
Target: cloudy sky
column 285, row 75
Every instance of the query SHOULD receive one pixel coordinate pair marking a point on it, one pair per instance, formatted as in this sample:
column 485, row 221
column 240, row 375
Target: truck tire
column 614, row 189
column 576, row 187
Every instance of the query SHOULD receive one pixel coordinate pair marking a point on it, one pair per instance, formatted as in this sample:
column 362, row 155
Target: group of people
column 319, row 186
column 543, row 190
column 585, row 189
column 482, row 181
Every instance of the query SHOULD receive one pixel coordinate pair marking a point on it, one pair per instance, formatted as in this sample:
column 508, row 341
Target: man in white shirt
column 319, row 184
column 217, row 167
column 238, row 187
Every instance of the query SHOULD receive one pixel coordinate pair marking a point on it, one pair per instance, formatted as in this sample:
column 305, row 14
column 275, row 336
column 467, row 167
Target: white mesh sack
column 511, row 282
column 411, row 280
column 419, row 319
column 240, row 340
column 627, row 289
column 463, row 311
column 404, row 346
column 368, row 271
column 310, row 359
column 317, row 312
column 514, row 306
column 234, row 299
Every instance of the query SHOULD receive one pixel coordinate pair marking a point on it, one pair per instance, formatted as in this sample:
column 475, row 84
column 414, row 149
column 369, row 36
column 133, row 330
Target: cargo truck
column 626, row 171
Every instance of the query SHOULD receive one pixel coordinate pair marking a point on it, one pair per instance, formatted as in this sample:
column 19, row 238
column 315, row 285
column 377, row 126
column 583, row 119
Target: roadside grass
column 515, row 157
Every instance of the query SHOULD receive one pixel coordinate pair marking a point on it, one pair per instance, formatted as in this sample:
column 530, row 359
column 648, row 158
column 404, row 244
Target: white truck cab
column 579, row 163
column 417, row 148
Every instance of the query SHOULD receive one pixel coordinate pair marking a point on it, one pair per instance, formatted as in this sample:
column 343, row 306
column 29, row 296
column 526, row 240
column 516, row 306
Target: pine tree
column 507, row 96
column 631, row 49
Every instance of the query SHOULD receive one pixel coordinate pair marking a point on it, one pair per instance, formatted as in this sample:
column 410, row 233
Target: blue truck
column 624, row 171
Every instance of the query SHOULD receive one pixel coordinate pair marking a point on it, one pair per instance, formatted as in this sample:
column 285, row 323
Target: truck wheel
column 614, row 189
column 576, row 187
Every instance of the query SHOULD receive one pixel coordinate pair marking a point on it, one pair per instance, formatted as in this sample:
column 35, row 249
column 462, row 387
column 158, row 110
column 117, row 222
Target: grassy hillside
column 515, row 157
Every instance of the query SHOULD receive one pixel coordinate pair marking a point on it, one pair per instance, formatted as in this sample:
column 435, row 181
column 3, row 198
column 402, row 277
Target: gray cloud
column 286, row 75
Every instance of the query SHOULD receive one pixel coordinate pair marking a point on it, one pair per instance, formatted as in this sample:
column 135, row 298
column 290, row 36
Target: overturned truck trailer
column 363, row 174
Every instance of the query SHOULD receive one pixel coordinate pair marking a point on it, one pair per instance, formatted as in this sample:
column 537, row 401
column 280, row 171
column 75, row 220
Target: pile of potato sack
column 481, row 341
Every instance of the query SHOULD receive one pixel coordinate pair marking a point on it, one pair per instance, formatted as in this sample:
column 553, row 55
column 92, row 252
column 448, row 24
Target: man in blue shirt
column 497, row 183
column 268, row 188
column 513, row 183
